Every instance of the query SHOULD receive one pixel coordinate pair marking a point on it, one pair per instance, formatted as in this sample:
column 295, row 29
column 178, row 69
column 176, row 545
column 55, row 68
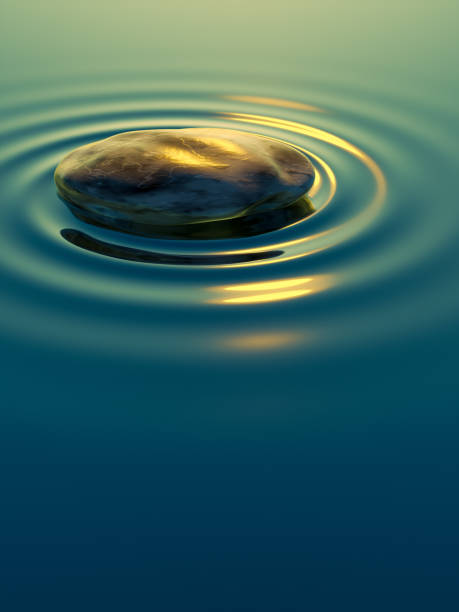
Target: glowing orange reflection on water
column 276, row 102
column 275, row 296
column 271, row 291
column 261, row 341
column 269, row 285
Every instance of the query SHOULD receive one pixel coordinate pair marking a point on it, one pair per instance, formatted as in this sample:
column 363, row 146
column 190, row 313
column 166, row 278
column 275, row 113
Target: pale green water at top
column 265, row 423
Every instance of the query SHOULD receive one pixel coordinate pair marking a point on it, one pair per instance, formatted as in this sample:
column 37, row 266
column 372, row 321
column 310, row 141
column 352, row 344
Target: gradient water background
column 273, row 436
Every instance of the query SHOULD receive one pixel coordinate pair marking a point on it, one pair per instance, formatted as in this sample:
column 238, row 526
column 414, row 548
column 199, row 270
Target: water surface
column 259, row 423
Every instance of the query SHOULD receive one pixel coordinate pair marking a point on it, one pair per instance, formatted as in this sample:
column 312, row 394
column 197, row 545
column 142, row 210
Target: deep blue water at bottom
column 159, row 488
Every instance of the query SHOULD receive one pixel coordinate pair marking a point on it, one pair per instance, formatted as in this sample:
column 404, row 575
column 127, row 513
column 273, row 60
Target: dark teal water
column 258, row 424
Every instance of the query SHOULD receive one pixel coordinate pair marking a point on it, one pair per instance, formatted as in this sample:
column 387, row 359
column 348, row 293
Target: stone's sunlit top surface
column 181, row 176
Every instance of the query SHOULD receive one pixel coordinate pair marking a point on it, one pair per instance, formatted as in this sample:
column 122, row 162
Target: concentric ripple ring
column 367, row 233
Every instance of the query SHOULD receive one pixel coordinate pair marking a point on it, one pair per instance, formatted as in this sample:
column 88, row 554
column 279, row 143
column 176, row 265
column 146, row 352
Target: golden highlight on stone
column 189, row 183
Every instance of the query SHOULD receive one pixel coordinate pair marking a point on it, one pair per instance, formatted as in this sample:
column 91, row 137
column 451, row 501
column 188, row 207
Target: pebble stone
column 151, row 181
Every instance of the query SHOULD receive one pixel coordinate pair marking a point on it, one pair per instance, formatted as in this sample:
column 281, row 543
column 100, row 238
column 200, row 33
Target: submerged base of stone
column 249, row 225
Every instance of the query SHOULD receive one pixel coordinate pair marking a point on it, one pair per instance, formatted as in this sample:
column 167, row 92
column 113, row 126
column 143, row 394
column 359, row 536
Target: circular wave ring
column 344, row 244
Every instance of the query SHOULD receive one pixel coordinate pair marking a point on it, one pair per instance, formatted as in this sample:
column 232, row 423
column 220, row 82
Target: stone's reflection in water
column 101, row 247
column 240, row 227
column 273, row 291
column 262, row 341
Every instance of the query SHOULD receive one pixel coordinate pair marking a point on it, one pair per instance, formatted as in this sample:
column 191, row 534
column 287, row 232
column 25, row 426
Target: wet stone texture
column 197, row 183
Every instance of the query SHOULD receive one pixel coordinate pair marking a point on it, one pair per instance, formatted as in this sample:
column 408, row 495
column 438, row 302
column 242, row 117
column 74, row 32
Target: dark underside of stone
column 250, row 225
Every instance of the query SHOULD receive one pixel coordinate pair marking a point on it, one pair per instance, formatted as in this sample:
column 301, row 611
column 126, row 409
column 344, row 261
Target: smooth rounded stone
column 194, row 182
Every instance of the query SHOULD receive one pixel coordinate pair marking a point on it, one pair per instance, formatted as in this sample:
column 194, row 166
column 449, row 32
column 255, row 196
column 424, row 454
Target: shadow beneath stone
column 84, row 241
